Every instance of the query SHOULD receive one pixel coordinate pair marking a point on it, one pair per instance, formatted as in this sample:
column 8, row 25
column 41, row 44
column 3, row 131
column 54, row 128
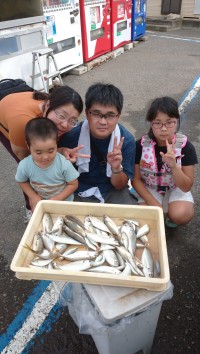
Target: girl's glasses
column 158, row 125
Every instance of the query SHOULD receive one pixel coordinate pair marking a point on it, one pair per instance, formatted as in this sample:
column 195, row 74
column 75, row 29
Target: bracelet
column 117, row 172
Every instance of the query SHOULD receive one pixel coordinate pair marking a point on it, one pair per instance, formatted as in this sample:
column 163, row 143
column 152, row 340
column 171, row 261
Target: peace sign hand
column 114, row 157
column 169, row 158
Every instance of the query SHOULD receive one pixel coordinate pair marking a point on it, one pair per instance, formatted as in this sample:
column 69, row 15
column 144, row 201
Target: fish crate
column 153, row 216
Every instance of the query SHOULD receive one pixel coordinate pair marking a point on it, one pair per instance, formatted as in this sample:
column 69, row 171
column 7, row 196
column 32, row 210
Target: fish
column 48, row 243
column 37, row 244
column 74, row 227
column 64, row 239
column 148, row 263
column 144, row 230
column 47, row 222
column 74, row 234
column 75, row 219
column 127, row 269
column 74, row 266
column 126, row 255
column 97, row 223
column 102, row 239
column 111, row 258
column 80, row 255
column 105, row 269
column 111, row 225
column 131, row 235
column 58, row 226
column 99, row 260
column 37, row 262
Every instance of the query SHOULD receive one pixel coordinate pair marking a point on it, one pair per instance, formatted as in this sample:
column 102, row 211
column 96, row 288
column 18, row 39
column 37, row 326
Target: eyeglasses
column 73, row 122
column 167, row 125
column 108, row 116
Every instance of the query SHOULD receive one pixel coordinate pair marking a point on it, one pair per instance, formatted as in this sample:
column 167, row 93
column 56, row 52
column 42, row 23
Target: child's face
column 43, row 151
column 164, row 128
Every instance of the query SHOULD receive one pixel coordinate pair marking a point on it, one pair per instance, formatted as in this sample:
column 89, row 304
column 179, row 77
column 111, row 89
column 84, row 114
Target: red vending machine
column 121, row 17
column 96, row 28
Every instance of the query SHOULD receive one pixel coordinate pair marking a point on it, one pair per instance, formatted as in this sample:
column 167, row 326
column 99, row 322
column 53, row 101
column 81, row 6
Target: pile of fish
column 93, row 245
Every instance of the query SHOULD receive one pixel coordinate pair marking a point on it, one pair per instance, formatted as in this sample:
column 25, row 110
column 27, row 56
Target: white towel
column 84, row 139
column 94, row 191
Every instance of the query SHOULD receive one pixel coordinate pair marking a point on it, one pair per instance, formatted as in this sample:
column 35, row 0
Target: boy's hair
column 40, row 128
column 165, row 105
column 104, row 94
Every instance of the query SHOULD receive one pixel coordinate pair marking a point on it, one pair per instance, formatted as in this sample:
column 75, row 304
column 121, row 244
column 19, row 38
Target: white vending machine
column 63, row 32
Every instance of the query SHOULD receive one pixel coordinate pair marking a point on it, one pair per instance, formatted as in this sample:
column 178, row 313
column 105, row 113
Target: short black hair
column 40, row 128
column 167, row 105
column 104, row 94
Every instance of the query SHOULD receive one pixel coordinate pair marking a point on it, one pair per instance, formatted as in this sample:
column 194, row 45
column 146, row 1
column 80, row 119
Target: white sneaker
column 28, row 215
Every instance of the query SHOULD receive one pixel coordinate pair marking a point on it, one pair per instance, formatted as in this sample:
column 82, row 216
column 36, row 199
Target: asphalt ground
column 165, row 64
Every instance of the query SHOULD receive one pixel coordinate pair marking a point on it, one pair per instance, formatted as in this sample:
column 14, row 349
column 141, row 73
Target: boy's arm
column 33, row 197
column 67, row 191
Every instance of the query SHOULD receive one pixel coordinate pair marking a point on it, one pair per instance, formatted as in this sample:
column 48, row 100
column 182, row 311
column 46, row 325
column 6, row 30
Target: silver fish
column 98, row 224
column 144, row 230
column 64, row 239
column 105, row 269
column 74, row 234
column 36, row 262
column 127, row 270
column 74, row 227
column 80, row 255
column 129, row 258
column 147, row 261
column 37, row 244
column 58, row 226
column 102, row 239
column 75, row 220
column 111, row 225
column 48, row 243
column 100, row 259
column 111, row 258
column 74, row 266
column 131, row 237
column 47, row 222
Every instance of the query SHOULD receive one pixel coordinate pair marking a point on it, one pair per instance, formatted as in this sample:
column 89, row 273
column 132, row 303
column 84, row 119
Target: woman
column 63, row 106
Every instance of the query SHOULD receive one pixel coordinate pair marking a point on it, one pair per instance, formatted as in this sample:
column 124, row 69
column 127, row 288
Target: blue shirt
column 96, row 177
column 49, row 181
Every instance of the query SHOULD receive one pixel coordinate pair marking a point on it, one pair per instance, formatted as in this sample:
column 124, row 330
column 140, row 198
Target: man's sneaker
column 170, row 223
column 28, row 215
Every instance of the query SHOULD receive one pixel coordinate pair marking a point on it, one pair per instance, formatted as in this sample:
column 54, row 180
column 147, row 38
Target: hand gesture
column 169, row 158
column 114, row 157
column 72, row 154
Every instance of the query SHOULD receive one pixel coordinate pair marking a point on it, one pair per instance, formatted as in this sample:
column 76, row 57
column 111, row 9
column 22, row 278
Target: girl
column 164, row 164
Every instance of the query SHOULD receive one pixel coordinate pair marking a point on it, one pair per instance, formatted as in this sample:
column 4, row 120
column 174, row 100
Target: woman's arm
column 67, row 191
column 20, row 152
column 140, row 188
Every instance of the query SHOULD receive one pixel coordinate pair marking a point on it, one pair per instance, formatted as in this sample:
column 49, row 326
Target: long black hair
column 60, row 96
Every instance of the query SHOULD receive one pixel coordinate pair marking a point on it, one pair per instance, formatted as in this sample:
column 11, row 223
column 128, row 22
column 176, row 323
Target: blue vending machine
column 138, row 19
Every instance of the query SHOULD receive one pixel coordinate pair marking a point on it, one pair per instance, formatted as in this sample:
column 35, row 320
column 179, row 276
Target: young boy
column 45, row 174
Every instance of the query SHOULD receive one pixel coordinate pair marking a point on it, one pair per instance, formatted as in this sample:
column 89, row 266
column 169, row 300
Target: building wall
column 187, row 8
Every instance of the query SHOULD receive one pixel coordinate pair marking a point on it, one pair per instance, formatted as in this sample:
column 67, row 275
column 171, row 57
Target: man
column 104, row 175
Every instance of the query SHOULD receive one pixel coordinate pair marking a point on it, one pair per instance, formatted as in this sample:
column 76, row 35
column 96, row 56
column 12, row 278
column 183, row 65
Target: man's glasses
column 108, row 116
column 158, row 125
column 73, row 122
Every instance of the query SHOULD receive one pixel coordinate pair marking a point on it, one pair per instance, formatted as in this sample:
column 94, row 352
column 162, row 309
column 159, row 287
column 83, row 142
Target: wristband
column 117, row 172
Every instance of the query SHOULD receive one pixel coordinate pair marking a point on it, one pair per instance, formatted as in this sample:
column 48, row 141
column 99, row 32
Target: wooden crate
column 153, row 216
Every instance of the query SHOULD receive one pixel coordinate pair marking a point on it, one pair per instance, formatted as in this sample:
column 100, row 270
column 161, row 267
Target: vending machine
column 138, row 19
column 63, row 32
column 96, row 28
column 22, row 31
column 121, row 18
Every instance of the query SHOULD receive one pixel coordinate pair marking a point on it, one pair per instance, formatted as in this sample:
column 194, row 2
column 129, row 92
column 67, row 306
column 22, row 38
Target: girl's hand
column 114, row 157
column 169, row 157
